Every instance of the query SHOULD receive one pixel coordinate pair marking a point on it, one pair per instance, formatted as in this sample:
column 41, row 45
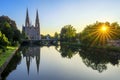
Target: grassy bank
column 5, row 55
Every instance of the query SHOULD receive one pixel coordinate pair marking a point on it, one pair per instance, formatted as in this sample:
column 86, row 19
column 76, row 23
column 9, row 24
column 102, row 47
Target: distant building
column 114, row 43
column 31, row 31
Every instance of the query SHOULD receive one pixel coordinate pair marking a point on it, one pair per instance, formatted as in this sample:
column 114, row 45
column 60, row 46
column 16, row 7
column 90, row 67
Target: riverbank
column 107, row 48
column 5, row 57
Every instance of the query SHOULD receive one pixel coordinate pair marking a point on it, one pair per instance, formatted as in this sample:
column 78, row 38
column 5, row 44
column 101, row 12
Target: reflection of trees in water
column 100, row 67
column 97, row 59
column 12, row 65
column 67, row 50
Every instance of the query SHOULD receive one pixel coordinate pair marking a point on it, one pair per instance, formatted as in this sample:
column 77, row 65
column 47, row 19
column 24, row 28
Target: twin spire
column 37, row 24
column 27, row 21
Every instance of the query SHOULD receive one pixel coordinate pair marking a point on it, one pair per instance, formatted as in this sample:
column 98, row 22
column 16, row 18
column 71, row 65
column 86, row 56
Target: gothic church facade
column 32, row 32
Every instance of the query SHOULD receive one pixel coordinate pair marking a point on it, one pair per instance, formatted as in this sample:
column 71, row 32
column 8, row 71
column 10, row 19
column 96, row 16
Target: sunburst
column 102, row 34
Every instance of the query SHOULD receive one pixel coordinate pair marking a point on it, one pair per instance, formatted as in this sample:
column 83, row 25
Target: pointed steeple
column 27, row 23
column 37, row 24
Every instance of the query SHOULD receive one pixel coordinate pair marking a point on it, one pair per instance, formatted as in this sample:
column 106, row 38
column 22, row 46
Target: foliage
column 48, row 36
column 56, row 36
column 6, row 55
column 3, row 40
column 9, row 28
column 96, row 35
column 68, row 33
column 24, row 35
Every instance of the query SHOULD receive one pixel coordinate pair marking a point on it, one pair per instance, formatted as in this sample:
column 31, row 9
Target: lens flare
column 103, row 28
column 101, row 34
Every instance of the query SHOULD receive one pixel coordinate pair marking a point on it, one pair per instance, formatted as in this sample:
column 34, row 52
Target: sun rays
column 101, row 34
column 104, row 28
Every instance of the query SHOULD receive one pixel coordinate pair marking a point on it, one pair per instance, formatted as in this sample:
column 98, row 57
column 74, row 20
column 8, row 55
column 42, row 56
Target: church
column 32, row 32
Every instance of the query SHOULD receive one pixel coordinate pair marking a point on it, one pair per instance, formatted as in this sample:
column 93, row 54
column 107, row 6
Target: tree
column 3, row 40
column 68, row 33
column 56, row 35
column 99, row 33
column 9, row 29
column 17, row 36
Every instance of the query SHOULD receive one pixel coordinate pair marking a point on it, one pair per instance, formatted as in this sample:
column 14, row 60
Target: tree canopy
column 100, row 33
column 3, row 40
column 68, row 33
column 9, row 29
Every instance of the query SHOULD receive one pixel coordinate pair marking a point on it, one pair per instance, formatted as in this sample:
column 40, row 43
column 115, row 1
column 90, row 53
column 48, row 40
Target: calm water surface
column 62, row 63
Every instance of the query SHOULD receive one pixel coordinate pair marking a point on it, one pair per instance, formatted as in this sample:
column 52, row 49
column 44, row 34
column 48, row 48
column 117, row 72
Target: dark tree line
column 67, row 34
column 97, row 34
column 10, row 35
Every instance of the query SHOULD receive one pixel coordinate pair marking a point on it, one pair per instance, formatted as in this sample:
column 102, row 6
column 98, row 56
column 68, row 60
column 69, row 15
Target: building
column 32, row 32
column 114, row 43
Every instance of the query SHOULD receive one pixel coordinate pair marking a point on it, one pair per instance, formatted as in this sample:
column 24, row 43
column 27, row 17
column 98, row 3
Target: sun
column 104, row 28
column 101, row 34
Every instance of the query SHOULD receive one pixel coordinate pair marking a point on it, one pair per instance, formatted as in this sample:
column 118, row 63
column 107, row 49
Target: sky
column 55, row 14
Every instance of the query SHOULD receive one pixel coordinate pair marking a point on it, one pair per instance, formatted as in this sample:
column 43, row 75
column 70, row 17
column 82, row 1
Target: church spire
column 27, row 23
column 37, row 24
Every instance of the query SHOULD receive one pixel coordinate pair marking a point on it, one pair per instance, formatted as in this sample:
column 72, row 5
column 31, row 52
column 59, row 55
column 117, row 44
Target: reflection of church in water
column 30, row 54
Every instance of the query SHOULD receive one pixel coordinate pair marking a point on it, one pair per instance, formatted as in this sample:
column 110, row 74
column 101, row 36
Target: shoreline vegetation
column 10, row 39
column 108, row 48
column 4, row 55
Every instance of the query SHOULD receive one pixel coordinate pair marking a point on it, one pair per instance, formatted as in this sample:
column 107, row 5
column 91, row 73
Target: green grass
column 5, row 55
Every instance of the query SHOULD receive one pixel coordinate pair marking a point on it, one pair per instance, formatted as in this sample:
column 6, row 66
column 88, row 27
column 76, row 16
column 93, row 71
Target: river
column 62, row 63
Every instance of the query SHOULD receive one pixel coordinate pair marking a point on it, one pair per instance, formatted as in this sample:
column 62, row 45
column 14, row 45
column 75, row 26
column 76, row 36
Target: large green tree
column 68, row 33
column 99, row 33
column 9, row 28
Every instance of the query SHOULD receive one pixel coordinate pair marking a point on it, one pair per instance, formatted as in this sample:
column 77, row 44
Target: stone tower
column 32, row 32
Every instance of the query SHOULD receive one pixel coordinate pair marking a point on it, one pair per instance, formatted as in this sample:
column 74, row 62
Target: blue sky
column 54, row 14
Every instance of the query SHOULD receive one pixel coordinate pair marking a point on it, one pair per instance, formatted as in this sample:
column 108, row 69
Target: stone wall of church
column 32, row 33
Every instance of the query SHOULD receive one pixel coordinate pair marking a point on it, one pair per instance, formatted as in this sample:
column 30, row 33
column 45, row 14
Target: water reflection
column 16, row 60
column 26, row 62
column 97, row 59
column 30, row 53
column 67, row 50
